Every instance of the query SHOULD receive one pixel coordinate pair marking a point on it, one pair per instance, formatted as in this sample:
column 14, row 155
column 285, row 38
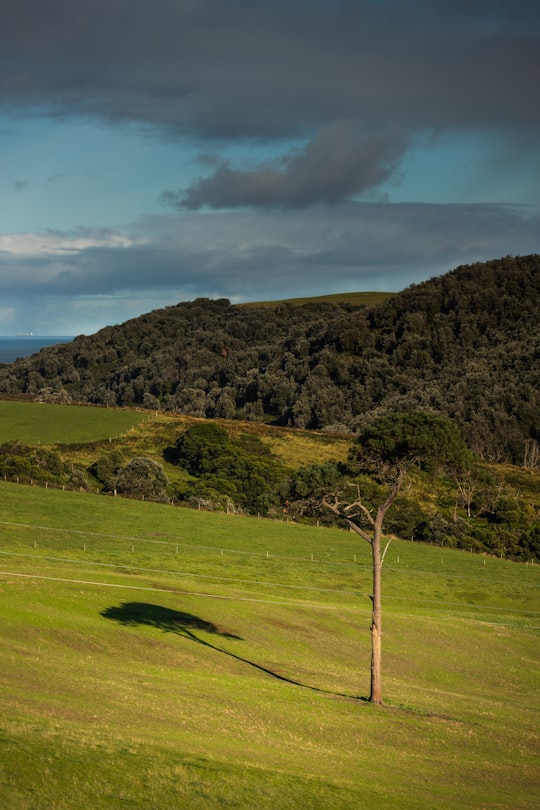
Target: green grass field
column 41, row 423
column 159, row 657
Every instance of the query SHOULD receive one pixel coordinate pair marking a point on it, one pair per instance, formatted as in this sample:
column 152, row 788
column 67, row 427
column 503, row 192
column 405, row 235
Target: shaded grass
column 166, row 688
column 41, row 423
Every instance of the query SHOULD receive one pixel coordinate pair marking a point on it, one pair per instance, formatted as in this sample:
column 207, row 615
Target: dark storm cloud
column 268, row 68
column 280, row 69
column 339, row 162
column 278, row 254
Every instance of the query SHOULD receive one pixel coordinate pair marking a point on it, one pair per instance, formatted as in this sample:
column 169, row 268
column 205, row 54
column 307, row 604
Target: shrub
column 142, row 477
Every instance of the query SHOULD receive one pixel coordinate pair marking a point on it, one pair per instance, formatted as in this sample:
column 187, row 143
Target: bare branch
column 334, row 507
column 383, row 555
column 340, row 509
column 363, row 511
column 359, row 530
column 360, row 505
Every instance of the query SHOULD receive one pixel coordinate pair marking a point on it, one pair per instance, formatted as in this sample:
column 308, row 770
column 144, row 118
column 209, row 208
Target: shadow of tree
column 162, row 618
column 184, row 624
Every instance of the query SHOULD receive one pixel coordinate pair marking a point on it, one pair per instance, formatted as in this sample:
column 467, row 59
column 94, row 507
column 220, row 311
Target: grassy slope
column 81, row 435
column 358, row 299
column 250, row 697
column 33, row 423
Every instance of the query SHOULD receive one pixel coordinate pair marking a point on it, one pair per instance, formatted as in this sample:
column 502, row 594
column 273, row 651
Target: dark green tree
column 242, row 469
column 198, row 448
column 21, row 461
column 312, row 480
column 105, row 469
column 142, row 477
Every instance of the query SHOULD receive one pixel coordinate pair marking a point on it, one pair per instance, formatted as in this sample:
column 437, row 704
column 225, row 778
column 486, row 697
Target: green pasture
column 43, row 423
column 159, row 657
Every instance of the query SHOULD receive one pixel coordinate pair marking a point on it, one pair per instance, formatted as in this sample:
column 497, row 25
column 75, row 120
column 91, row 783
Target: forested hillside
column 464, row 344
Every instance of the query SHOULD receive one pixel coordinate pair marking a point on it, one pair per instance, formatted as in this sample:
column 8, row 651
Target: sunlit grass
column 135, row 673
column 359, row 299
column 83, row 434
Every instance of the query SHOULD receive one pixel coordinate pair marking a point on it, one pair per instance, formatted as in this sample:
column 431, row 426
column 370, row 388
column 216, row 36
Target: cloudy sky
column 154, row 152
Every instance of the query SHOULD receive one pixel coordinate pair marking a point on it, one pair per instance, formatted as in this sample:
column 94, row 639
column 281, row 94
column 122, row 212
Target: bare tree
column 384, row 450
column 355, row 513
column 531, row 456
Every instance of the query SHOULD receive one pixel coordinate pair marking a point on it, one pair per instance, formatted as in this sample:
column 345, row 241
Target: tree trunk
column 376, row 617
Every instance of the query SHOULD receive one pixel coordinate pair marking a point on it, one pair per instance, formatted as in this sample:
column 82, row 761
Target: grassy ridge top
column 162, row 657
column 357, row 299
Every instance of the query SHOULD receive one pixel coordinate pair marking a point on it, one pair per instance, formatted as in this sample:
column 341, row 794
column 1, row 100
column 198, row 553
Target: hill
column 160, row 658
column 464, row 344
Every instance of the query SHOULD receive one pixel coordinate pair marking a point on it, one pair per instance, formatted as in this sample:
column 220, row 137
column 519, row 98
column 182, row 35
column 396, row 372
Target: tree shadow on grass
column 184, row 624
column 162, row 618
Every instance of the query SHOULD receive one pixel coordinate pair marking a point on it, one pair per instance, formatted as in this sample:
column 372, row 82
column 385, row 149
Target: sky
column 156, row 152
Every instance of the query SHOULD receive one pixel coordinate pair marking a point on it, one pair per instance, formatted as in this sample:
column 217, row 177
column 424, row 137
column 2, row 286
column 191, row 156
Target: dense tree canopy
column 240, row 473
column 395, row 441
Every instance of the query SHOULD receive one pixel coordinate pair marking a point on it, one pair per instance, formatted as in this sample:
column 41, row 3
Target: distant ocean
column 11, row 348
